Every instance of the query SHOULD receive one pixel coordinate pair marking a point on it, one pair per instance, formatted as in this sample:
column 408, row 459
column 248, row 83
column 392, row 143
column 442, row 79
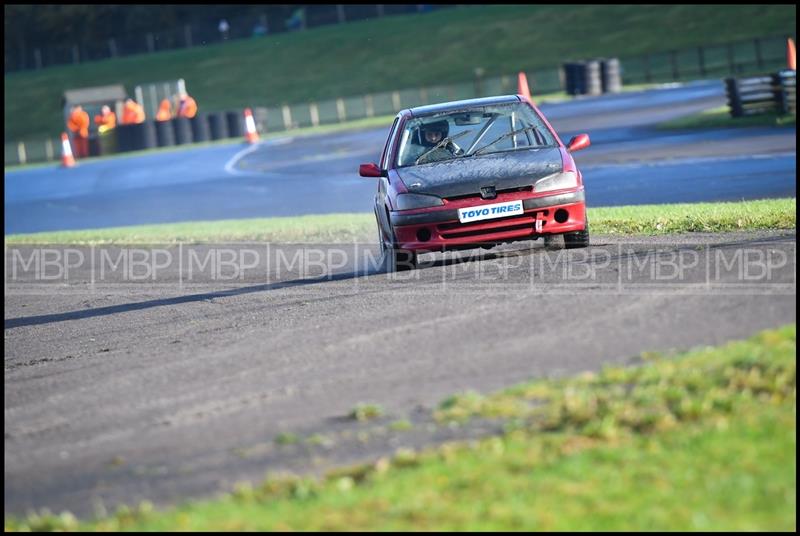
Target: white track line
column 230, row 167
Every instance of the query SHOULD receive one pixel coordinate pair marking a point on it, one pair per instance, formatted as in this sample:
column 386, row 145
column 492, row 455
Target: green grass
column 342, row 228
column 720, row 117
column 365, row 412
column 286, row 438
column 401, row 425
column 387, row 54
column 695, row 217
column 704, row 440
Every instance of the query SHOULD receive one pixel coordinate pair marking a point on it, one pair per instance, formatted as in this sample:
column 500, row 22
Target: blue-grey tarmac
column 629, row 162
column 122, row 387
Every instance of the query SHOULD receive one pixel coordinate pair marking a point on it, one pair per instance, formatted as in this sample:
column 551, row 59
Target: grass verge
column 720, row 117
column 705, row 440
column 342, row 228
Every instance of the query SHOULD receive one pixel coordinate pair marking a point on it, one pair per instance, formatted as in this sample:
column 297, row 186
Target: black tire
column 400, row 260
column 396, row 260
column 573, row 240
column 577, row 239
column 554, row 241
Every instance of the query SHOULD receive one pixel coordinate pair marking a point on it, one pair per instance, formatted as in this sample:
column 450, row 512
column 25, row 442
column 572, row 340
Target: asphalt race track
column 168, row 372
column 629, row 162
column 119, row 389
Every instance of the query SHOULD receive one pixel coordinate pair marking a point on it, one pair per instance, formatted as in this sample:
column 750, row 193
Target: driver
column 433, row 133
column 429, row 135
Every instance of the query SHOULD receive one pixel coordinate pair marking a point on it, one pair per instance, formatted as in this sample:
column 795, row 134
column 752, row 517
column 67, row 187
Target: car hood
column 466, row 176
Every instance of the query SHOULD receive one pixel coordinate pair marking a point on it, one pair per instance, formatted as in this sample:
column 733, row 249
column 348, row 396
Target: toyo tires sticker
column 487, row 212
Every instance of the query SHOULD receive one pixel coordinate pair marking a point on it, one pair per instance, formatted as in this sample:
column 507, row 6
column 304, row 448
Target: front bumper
column 435, row 230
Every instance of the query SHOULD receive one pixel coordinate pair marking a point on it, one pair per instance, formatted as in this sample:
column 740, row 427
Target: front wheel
column 396, row 260
column 573, row 240
column 577, row 239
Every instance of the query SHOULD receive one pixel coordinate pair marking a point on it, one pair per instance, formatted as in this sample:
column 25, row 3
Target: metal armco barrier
column 200, row 130
column 218, row 125
column 763, row 94
column 164, row 133
column 787, row 97
column 183, row 130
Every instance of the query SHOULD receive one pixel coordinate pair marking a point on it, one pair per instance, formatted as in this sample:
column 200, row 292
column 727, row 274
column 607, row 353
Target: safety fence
column 776, row 93
column 752, row 57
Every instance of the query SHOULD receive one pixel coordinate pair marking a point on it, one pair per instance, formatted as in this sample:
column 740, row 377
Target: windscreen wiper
column 440, row 144
column 504, row 136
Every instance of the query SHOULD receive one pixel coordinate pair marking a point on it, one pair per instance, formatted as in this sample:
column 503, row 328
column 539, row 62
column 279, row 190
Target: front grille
column 499, row 225
column 477, row 195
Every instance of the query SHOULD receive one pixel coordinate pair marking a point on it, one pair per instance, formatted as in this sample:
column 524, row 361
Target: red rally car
column 476, row 173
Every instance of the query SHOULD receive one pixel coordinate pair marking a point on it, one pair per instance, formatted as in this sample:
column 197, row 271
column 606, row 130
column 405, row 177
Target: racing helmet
column 436, row 126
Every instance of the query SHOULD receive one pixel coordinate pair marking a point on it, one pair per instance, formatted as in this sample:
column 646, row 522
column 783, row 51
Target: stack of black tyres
column 594, row 85
column 136, row 137
column 165, row 134
column 182, row 128
column 218, row 125
column 575, row 78
column 611, row 75
column 235, row 124
column 593, row 77
column 200, row 130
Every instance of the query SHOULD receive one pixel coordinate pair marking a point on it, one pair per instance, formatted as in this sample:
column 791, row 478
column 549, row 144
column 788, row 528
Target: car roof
column 460, row 105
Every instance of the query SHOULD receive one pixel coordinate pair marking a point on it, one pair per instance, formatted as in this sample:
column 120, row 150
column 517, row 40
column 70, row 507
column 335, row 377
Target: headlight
column 558, row 181
column 410, row 201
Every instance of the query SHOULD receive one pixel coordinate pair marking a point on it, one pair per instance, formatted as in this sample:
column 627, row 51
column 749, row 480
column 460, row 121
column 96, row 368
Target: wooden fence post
column 340, row 110
column 21, row 154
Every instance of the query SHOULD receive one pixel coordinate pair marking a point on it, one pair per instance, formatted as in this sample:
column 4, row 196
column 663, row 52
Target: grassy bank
column 384, row 55
column 721, row 118
column 338, row 228
column 700, row 441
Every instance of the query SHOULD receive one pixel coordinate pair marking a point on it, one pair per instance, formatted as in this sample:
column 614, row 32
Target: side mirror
column 370, row 170
column 581, row 141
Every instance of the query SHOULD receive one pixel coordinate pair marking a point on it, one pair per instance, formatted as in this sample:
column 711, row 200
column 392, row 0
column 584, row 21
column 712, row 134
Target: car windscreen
column 471, row 132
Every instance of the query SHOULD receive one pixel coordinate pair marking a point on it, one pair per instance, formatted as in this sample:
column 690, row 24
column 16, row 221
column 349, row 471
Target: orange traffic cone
column 251, row 134
column 67, row 160
column 522, row 86
column 791, row 55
